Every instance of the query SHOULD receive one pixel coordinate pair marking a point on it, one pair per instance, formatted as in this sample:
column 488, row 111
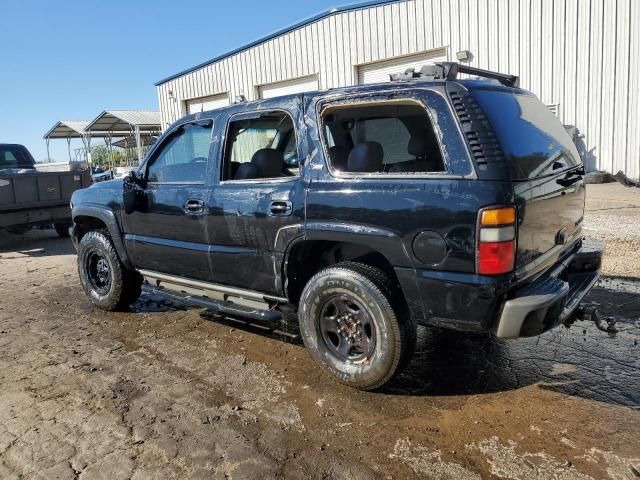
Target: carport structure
column 69, row 129
column 125, row 123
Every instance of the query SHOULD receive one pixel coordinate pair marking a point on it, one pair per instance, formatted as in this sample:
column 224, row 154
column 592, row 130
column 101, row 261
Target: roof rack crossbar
column 450, row 70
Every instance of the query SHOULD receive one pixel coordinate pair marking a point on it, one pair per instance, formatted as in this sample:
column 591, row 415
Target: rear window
column 14, row 156
column 532, row 138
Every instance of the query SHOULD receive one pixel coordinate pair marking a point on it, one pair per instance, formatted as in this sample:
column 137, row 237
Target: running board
column 221, row 306
column 213, row 290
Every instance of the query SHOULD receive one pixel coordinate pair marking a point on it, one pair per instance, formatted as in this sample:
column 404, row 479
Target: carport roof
column 129, row 142
column 68, row 129
column 121, row 121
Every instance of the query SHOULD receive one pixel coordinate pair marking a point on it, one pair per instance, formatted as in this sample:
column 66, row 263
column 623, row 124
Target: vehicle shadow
column 286, row 331
column 580, row 361
column 34, row 243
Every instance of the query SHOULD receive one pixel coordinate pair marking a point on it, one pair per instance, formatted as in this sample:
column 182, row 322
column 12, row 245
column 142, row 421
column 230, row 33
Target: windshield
column 532, row 138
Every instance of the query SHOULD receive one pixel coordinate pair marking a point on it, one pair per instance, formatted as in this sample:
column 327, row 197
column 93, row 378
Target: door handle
column 279, row 208
column 193, row 206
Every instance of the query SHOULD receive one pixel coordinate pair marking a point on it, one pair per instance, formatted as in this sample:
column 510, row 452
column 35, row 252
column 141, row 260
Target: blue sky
column 70, row 60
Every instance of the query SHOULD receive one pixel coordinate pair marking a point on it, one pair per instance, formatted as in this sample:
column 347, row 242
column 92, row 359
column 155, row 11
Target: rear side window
column 532, row 138
column 381, row 137
column 183, row 157
column 263, row 146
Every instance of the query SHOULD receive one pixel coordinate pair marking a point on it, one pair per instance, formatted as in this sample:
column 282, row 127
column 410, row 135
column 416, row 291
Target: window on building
column 263, row 146
column 183, row 157
column 381, row 137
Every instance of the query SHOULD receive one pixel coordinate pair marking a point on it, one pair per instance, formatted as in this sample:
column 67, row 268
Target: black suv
column 366, row 210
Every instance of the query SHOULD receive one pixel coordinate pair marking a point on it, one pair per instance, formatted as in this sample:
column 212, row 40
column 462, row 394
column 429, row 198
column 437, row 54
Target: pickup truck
column 428, row 200
column 30, row 197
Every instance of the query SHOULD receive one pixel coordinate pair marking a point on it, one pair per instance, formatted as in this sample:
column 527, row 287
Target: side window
column 183, row 158
column 381, row 137
column 390, row 132
column 264, row 146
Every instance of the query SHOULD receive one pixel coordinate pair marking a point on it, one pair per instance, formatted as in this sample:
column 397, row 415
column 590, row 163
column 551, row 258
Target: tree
column 100, row 157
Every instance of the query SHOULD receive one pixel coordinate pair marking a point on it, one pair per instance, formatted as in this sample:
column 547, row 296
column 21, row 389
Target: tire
column 62, row 229
column 107, row 283
column 377, row 348
column 18, row 230
column 598, row 177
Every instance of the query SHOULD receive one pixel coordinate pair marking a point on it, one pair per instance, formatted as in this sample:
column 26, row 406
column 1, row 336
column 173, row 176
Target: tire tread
column 376, row 280
column 126, row 285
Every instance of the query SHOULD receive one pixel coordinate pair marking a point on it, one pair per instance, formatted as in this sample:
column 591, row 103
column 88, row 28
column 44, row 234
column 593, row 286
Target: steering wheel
column 199, row 160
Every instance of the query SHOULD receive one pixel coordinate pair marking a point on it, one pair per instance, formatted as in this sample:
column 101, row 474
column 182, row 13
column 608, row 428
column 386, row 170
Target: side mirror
column 132, row 192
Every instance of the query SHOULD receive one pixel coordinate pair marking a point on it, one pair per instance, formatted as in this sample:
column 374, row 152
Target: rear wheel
column 62, row 229
column 354, row 326
column 105, row 280
column 19, row 230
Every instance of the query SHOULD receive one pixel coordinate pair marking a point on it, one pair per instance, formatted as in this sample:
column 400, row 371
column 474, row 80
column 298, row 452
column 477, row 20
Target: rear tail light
column 496, row 251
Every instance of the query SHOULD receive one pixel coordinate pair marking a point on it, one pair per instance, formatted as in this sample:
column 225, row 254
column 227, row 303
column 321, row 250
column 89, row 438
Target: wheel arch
column 87, row 218
column 319, row 249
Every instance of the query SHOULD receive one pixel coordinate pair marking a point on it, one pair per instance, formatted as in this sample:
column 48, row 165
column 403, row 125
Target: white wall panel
column 204, row 104
column 579, row 54
column 288, row 87
column 379, row 71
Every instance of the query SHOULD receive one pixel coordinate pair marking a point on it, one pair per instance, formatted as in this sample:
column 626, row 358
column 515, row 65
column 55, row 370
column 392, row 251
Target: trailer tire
column 62, row 229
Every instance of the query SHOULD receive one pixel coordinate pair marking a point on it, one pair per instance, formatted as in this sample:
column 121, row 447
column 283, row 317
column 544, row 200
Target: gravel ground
column 168, row 392
column 613, row 215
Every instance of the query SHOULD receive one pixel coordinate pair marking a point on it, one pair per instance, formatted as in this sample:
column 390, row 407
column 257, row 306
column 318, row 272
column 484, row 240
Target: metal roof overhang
column 307, row 21
column 125, row 121
column 68, row 129
column 71, row 129
column 130, row 142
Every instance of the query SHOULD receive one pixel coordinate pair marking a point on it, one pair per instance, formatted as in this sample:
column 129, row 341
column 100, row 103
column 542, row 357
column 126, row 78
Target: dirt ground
column 168, row 392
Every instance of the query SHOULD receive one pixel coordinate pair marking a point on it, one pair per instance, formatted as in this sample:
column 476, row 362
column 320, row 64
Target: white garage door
column 204, row 104
column 380, row 71
column 287, row 87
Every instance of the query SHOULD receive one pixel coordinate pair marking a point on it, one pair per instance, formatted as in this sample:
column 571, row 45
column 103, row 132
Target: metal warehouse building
column 581, row 57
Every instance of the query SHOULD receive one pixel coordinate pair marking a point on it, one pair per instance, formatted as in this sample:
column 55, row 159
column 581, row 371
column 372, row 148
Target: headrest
column 245, row 171
column 269, row 162
column 417, row 146
column 366, row 157
column 338, row 156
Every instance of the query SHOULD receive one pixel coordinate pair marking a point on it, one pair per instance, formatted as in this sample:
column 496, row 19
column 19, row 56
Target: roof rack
column 450, row 70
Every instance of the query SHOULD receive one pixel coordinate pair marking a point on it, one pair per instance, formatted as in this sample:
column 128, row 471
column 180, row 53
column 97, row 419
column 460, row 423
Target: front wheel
column 350, row 327
column 107, row 282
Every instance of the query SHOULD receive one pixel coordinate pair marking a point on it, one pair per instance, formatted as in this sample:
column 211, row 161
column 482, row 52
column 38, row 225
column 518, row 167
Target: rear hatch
column 545, row 169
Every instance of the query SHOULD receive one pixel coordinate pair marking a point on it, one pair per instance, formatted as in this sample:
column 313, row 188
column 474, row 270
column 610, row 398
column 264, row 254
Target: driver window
column 183, row 158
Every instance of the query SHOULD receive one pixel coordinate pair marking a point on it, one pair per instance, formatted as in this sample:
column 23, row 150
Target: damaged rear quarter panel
column 387, row 212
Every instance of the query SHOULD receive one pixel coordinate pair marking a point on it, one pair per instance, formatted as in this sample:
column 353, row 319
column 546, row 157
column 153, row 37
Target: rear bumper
column 480, row 303
column 553, row 297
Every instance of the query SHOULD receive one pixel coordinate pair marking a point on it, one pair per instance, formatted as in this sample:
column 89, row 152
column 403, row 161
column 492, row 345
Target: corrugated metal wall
column 582, row 55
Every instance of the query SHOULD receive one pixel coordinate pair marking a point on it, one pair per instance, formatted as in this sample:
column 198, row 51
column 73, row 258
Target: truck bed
column 23, row 189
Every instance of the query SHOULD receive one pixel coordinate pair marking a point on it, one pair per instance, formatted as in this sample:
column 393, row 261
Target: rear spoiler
column 450, row 70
